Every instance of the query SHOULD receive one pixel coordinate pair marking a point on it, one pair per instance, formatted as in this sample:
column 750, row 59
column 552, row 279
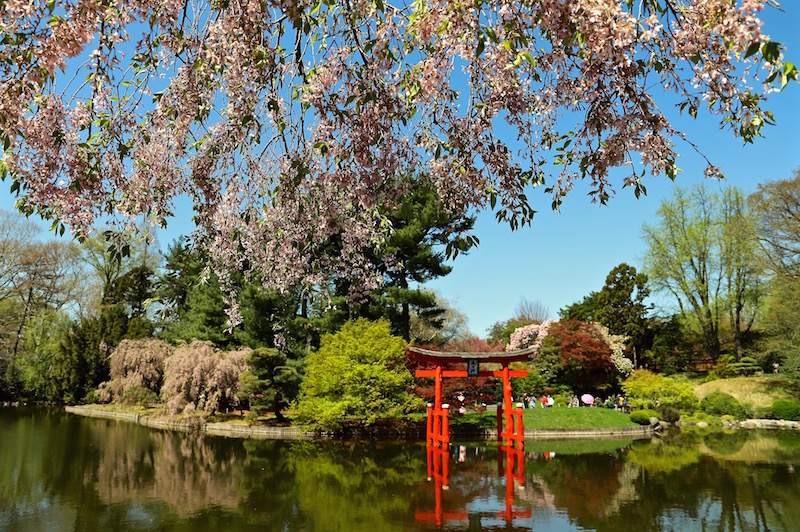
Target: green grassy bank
column 553, row 418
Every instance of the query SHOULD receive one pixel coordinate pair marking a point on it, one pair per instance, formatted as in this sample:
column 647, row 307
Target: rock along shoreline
column 293, row 433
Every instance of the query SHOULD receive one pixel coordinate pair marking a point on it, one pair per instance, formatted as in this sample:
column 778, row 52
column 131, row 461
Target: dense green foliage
column 81, row 362
column 272, row 380
column 619, row 305
column 786, row 409
column 358, row 372
column 670, row 414
column 703, row 251
column 719, row 403
column 646, row 389
column 413, row 255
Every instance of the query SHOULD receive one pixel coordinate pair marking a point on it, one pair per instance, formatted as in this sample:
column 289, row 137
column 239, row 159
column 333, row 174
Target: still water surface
column 61, row 472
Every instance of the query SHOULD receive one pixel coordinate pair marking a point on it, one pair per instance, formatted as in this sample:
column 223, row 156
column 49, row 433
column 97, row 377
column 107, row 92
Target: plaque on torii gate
column 509, row 420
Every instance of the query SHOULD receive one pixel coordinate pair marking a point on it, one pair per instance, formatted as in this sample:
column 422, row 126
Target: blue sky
column 566, row 255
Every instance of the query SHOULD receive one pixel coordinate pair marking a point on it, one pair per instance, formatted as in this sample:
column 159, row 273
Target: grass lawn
column 575, row 418
column 552, row 418
column 558, row 417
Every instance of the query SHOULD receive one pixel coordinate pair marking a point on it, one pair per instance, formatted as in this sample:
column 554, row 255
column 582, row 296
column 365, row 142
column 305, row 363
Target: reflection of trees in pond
column 583, row 485
column 755, row 446
column 788, row 445
column 341, row 486
column 72, row 473
column 664, row 456
column 188, row 472
column 25, row 463
column 727, row 442
column 598, row 446
column 701, row 492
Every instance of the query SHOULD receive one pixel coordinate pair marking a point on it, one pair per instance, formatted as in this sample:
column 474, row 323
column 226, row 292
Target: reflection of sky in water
column 487, row 508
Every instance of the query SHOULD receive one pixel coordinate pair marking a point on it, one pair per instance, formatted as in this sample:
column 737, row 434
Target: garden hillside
column 759, row 392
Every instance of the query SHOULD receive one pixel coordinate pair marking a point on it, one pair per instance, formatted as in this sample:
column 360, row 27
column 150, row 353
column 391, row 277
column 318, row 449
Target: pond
column 62, row 472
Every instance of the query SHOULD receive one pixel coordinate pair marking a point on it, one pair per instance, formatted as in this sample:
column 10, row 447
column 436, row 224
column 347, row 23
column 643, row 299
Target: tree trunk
column 22, row 323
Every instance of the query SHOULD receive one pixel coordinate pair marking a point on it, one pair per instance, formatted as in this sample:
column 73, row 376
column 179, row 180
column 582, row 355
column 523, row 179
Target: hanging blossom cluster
column 190, row 378
column 136, row 365
column 529, row 336
column 198, row 377
column 617, row 343
column 290, row 123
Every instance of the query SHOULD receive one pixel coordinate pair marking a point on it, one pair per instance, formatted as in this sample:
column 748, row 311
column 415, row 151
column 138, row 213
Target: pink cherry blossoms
column 532, row 335
column 290, row 123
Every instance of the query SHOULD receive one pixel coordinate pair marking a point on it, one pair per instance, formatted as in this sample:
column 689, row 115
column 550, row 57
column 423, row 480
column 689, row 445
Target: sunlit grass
column 575, row 418
column 553, row 418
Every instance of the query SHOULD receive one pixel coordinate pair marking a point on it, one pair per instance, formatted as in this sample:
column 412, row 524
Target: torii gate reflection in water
column 512, row 432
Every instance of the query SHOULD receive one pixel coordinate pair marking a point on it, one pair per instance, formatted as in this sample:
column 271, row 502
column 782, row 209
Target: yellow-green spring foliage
column 646, row 389
column 358, row 373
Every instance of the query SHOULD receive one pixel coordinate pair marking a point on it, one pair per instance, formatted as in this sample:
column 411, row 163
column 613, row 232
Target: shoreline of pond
column 231, row 430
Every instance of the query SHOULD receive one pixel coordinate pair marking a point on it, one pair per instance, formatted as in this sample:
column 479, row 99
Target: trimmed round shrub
column 786, row 409
column 719, row 403
column 669, row 414
column 642, row 417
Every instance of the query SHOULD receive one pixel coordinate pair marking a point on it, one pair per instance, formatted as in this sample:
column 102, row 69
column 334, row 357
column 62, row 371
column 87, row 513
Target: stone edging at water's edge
column 294, row 433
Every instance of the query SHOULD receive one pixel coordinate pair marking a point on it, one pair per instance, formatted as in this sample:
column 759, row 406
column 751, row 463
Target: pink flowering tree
column 198, row 377
column 532, row 335
column 137, row 371
column 289, row 123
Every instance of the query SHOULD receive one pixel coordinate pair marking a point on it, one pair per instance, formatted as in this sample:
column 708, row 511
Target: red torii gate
column 438, row 427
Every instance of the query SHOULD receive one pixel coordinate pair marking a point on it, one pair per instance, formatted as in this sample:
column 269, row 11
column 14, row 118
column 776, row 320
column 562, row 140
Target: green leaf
column 752, row 49
column 771, row 52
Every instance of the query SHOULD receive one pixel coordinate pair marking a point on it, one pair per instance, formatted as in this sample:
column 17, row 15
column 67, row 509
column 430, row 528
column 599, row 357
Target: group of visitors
column 546, row 401
column 617, row 402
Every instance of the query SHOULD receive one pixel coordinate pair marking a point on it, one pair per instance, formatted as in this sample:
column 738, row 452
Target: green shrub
column 360, row 373
column 669, row 414
column 645, row 389
column 746, row 366
column 719, row 403
column 642, row 417
column 786, row 409
column 136, row 395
